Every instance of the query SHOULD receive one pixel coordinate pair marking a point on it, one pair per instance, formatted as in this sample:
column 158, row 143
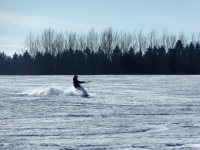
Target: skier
column 77, row 85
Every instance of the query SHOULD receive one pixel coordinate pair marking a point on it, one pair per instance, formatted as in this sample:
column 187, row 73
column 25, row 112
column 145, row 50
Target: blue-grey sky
column 20, row 17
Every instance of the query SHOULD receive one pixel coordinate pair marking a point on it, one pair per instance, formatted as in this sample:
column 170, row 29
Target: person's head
column 75, row 76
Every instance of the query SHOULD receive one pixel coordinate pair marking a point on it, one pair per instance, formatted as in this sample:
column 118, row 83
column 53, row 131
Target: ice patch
column 50, row 91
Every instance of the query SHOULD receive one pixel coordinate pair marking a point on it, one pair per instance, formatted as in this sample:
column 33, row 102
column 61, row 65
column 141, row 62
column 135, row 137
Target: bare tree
column 107, row 41
column 81, row 41
column 198, row 39
column 72, row 40
column 32, row 44
column 152, row 38
column 92, row 40
column 125, row 40
column 171, row 41
column 142, row 43
column 66, row 41
column 134, row 40
column 163, row 39
column 193, row 39
column 59, row 43
column 183, row 38
column 47, row 41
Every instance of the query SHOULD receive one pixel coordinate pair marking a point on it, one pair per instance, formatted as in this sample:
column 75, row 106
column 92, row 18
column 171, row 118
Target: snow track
column 125, row 112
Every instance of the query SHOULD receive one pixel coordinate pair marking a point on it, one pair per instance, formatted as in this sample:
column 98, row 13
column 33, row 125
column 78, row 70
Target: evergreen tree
column 175, row 56
column 101, row 61
column 139, row 68
column 127, row 62
column 27, row 64
column 162, row 61
column 2, row 63
column 48, row 63
column 116, row 56
column 15, row 70
column 191, row 59
column 58, row 64
column 149, row 61
column 197, row 48
column 39, row 64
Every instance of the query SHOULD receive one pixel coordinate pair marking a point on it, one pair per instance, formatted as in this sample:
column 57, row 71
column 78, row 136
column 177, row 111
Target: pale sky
column 20, row 17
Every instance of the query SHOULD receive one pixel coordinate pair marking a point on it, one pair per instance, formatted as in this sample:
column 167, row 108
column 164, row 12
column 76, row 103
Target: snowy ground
column 122, row 112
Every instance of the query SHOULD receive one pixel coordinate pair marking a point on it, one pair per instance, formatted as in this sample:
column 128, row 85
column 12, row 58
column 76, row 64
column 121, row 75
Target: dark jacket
column 77, row 83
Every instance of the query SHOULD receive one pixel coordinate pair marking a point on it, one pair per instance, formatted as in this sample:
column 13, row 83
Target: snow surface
column 122, row 112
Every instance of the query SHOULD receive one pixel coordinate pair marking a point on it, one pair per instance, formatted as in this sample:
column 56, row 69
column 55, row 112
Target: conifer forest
column 107, row 52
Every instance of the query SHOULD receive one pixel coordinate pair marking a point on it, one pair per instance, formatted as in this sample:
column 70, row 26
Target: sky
column 19, row 18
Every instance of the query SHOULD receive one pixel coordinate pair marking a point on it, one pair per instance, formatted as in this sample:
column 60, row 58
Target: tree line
column 108, row 52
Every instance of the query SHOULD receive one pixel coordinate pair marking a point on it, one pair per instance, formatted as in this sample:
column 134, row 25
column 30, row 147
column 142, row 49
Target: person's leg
column 83, row 90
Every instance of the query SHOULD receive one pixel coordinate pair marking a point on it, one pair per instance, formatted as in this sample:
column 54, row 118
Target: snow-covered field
column 122, row 112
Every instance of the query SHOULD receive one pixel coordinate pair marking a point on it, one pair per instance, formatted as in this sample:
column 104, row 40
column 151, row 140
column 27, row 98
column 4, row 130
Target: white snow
column 122, row 112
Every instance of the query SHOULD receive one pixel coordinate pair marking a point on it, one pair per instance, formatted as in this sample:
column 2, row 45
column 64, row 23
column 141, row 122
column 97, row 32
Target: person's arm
column 81, row 82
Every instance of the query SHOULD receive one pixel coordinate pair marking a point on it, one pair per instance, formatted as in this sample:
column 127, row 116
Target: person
column 77, row 85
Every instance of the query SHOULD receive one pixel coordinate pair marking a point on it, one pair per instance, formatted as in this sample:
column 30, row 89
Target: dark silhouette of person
column 77, row 85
